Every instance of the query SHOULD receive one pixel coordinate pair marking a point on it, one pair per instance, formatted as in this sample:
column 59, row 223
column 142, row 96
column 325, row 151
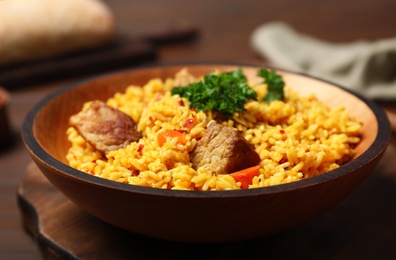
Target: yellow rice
column 296, row 139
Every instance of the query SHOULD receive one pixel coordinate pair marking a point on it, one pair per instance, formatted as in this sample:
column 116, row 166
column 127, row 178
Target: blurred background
column 151, row 32
column 226, row 26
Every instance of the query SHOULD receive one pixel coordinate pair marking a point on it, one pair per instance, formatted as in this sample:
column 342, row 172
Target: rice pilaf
column 297, row 138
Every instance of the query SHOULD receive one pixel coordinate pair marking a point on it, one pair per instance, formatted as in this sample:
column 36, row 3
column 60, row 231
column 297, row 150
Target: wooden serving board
column 125, row 50
column 115, row 55
column 63, row 231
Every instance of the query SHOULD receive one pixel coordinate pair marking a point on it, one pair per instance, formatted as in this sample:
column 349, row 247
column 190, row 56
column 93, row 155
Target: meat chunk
column 184, row 78
column 105, row 127
column 222, row 150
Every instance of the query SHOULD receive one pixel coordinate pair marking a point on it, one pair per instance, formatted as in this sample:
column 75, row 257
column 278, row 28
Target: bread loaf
column 33, row 29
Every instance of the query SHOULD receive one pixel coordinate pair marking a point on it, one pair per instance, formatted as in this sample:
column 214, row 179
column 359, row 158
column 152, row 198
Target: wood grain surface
column 361, row 227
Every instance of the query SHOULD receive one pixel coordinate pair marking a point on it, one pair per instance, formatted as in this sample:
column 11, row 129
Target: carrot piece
column 245, row 176
column 181, row 137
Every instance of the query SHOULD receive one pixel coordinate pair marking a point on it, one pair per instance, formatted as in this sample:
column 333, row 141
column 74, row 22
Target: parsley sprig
column 226, row 92
column 275, row 85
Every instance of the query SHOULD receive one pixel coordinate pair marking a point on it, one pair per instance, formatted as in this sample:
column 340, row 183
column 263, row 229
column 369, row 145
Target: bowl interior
column 52, row 120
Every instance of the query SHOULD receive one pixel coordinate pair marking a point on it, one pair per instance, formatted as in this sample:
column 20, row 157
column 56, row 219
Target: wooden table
column 361, row 227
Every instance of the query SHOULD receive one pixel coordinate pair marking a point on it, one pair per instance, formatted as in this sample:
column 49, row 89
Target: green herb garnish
column 275, row 85
column 226, row 92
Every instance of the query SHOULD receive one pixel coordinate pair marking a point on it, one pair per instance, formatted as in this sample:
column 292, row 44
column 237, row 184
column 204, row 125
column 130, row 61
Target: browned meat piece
column 222, row 150
column 105, row 127
column 184, row 78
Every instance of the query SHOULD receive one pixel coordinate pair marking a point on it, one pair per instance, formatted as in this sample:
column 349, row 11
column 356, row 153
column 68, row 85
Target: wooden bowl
column 198, row 216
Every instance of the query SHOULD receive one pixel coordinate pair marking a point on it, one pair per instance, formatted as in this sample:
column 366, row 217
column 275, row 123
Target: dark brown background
column 363, row 226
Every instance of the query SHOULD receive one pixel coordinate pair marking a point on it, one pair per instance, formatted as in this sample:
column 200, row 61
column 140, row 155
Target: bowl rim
column 380, row 142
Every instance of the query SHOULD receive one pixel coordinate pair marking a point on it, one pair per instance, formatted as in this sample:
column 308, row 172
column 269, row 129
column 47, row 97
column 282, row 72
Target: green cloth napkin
column 364, row 66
